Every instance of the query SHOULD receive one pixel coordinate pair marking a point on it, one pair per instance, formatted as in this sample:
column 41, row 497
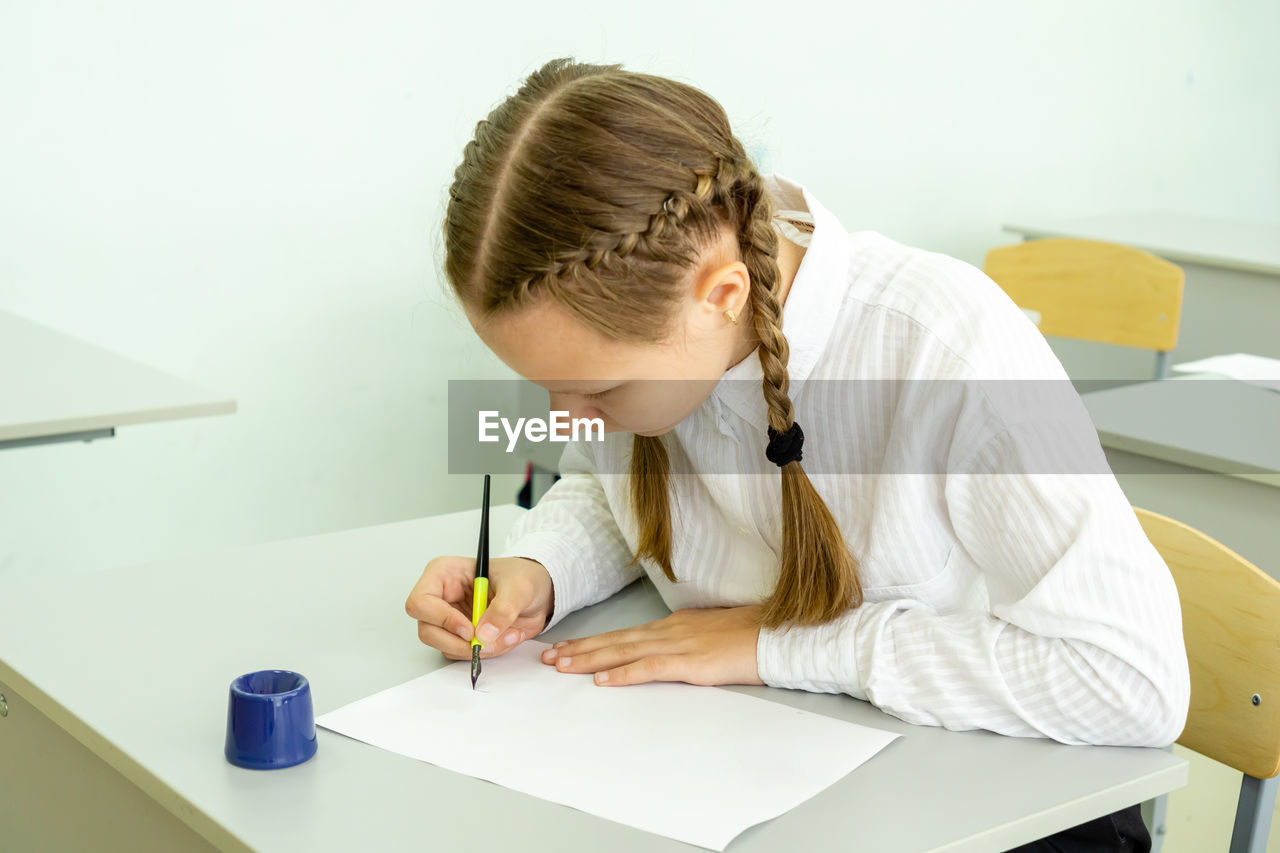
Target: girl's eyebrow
column 587, row 391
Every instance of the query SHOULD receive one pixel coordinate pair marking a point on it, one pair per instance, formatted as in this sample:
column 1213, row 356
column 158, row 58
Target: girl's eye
column 595, row 396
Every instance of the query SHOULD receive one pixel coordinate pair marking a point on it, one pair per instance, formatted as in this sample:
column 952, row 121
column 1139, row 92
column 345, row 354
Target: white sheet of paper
column 1254, row 369
column 697, row 764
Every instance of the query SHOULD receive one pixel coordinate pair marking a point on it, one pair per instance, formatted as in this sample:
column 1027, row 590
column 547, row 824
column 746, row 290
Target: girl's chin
column 648, row 431
column 611, row 426
column 653, row 433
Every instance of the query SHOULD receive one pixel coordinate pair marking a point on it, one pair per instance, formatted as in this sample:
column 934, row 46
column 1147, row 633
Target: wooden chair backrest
column 1231, row 625
column 1093, row 291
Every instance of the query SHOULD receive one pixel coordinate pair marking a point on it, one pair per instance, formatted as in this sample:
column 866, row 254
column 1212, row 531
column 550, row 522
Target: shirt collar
column 809, row 314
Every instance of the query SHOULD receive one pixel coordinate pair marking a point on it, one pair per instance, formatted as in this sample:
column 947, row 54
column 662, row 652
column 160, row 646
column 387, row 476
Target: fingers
column 583, row 645
column 657, row 668
column 455, row 648
column 435, row 612
column 567, row 658
column 451, row 645
column 445, row 576
column 441, row 600
column 512, row 598
column 447, row 579
column 674, row 629
column 441, row 604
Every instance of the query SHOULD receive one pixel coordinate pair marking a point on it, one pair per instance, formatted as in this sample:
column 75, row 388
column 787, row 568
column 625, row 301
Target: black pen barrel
column 482, row 553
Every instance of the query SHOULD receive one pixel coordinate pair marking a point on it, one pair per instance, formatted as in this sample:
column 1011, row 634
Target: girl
column 609, row 240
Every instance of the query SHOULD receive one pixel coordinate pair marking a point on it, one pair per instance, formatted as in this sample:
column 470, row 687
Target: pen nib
column 475, row 665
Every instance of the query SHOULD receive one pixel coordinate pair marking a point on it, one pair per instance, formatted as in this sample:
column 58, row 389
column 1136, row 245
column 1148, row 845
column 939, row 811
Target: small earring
column 729, row 313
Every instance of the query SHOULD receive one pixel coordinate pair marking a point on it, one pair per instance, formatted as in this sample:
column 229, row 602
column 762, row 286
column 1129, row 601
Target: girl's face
column 636, row 388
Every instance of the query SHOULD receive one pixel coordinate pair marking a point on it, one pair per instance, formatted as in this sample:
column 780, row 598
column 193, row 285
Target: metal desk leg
column 1155, row 812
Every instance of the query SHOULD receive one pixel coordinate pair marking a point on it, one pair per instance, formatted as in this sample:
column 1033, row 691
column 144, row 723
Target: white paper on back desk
column 693, row 763
column 1241, row 366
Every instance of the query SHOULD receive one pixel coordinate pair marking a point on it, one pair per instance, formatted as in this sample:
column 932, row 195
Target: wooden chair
column 1231, row 625
column 1094, row 291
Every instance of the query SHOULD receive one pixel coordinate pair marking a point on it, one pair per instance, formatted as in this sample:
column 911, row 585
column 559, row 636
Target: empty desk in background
column 55, row 387
column 1232, row 298
column 123, row 675
column 1200, row 449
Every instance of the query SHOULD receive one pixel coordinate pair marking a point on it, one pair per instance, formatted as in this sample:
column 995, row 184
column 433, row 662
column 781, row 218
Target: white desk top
column 52, row 383
column 1216, row 424
column 1249, row 246
column 136, row 662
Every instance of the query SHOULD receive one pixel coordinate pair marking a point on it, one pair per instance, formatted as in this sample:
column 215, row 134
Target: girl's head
column 644, row 387
column 602, row 229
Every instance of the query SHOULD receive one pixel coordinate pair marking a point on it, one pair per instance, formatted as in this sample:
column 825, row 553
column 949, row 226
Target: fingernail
column 602, row 677
column 550, row 655
column 561, row 643
column 565, row 661
column 512, row 638
column 463, row 631
column 489, row 633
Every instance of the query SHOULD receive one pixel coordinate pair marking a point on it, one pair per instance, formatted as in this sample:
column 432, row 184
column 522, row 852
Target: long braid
column 818, row 578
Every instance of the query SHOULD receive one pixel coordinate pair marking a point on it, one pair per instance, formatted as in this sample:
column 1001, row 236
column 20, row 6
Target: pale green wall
column 247, row 195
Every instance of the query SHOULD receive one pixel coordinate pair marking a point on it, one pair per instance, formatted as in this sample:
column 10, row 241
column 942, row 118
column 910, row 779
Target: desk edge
column 108, row 421
column 1071, row 814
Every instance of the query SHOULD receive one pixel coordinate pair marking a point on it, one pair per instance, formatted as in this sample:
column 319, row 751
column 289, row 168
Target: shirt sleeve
column 1083, row 640
column 572, row 531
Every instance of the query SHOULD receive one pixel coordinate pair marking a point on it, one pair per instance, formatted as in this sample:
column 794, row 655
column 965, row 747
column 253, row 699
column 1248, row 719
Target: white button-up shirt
column 999, row 593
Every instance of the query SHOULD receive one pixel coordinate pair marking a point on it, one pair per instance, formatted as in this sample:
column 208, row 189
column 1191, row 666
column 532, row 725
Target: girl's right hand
column 520, row 600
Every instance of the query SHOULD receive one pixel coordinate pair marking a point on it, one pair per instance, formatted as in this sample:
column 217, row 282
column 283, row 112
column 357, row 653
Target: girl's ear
column 726, row 288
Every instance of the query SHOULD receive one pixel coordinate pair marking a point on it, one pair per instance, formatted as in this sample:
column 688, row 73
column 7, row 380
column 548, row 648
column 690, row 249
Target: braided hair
column 591, row 178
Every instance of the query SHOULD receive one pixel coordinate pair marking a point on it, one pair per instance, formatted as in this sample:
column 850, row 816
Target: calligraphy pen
column 480, row 594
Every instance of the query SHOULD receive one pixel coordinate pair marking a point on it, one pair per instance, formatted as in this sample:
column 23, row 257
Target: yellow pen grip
column 479, row 601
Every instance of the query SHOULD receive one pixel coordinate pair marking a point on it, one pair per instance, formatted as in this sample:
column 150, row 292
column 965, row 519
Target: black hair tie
column 785, row 447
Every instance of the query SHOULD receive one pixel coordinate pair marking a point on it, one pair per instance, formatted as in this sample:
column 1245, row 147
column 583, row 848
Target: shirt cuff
column 561, row 558
column 816, row 658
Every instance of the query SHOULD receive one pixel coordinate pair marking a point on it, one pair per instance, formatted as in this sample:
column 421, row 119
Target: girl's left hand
column 714, row 646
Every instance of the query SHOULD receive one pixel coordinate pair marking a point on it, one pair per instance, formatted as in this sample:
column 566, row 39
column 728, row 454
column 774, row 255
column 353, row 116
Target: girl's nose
column 575, row 405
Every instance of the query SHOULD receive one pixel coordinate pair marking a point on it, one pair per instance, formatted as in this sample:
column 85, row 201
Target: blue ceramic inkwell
column 270, row 721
